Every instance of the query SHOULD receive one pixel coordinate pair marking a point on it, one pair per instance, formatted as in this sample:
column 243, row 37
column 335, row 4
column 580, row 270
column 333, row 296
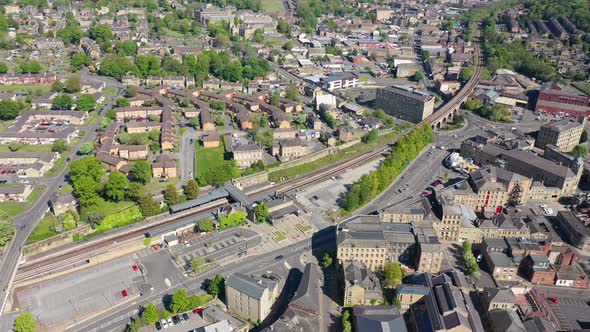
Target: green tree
column 86, row 166
column 57, row 86
column 86, row 103
column 171, row 194
column 117, row 66
column 292, row 92
column 148, row 206
column 345, row 320
column 80, row 60
column 150, row 313
column 131, row 91
column 205, row 225
column 473, row 104
column 180, row 301
column 134, row 191
column 465, row 74
column 86, row 188
column 417, row 77
column 70, row 34
column 86, row 148
column 370, row 137
column 141, row 171
column 147, row 65
column 194, row 122
column 583, row 137
column 101, row 33
column 25, row 322
column 327, row 260
column 62, row 102
column 6, row 228
column 3, row 68
column 393, row 273
column 115, row 186
column 10, row 109
column 73, row 84
column 580, row 150
column 59, row 145
column 258, row 36
column 122, row 102
column 261, row 212
column 191, row 189
column 217, row 285
column 197, row 263
column 126, row 48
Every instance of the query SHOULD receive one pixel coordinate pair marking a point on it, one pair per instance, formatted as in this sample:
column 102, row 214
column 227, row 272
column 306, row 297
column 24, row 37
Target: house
column 207, row 123
column 289, row 149
column 247, row 154
column 61, row 202
column 338, row 81
column 15, row 193
column 250, row 297
column 211, row 140
column 499, row 298
column 537, row 270
column 378, row 319
column 505, row 321
column 164, row 167
column 571, row 276
column 361, row 286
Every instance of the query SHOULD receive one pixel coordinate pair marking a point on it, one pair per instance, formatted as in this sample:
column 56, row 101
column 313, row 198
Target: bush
column 233, row 220
column 120, row 219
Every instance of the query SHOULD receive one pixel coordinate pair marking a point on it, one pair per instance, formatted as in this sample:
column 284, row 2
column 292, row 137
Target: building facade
column 409, row 105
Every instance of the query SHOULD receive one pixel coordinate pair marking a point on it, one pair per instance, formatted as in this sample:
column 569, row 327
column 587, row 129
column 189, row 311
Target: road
column 187, row 154
column 26, row 222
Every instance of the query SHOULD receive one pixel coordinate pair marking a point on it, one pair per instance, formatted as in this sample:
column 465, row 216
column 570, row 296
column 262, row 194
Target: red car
column 197, row 310
column 437, row 182
column 124, row 293
column 553, row 299
column 156, row 247
column 135, row 268
column 425, row 193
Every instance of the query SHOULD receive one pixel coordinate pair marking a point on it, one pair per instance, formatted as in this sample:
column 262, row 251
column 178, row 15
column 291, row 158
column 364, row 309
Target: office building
column 406, row 104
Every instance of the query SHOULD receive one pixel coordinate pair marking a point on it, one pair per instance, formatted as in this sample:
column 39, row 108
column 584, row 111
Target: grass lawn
column 58, row 167
column 43, row 229
column 37, row 89
column 5, row 124
column 106, row 207
column 66, row 188
column 92, row 118
column 209, row 158
column 584, row 87
column 28, row 148
column 279, row 236
column 110, row 91
column 349, row 152
column 156, row 185
column 15, row 208
column 171, row 33
column 273, row 6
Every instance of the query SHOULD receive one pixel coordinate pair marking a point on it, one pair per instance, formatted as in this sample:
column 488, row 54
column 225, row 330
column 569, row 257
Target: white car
column 170, row 323
column 164, row 323
column 543, row 206
column 548, row 210
column 187, row 244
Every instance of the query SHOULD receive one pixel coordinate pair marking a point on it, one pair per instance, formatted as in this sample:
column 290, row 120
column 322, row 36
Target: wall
column 56, row 241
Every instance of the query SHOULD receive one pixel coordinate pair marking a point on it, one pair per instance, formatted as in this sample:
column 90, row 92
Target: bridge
column 449, row 110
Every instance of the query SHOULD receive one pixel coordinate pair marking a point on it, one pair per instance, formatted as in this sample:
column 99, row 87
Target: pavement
column 26, row 222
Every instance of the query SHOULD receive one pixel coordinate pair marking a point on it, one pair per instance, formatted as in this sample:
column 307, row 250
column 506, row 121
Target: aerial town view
column 294, row 165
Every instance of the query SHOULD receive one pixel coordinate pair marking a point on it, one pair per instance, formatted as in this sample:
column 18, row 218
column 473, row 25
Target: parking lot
column 570, row 312
column 79, row 294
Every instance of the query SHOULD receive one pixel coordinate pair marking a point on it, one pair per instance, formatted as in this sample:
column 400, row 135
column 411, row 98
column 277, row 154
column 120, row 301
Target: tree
column 148, row 206
column 101, row 33
column 370, row 137
column 393, row 273
column 274, row 99
column 59, row 145
column 417, row 77
column 10, row 109
column 580, row 150
column 194, row 122
column 3, row 68
column 141, row 171
column 86, row 148
column 292, row 92
column 122, row 102
column 86, row 166
column 126, row 48
column 147, row 65
column 327, row 260
column 217, row 285
column 261, row 212
column 86, row 188
column 465, row 74
column 473, row 104
column 180, row 301
column 469, row 260
column 73, row 84
column 205, row 225
column 6, row 228
column 117, row 66
column 171, row 194
column 346, row 324
column 57, row 86
column 86, row 103
column 115, row 186
column 134, row 191
column 131, row 91
column 62, row 102
column 150, row 313
column 25, row 322
column 191, row 190
column 221, row 41
column 70, row 34
column 80, row 60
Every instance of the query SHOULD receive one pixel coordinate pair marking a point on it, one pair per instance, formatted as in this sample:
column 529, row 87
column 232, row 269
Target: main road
column 26, row 222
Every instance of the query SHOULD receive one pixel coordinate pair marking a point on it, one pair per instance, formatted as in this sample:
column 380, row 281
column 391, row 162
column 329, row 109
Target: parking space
column 194, row 321
column 77, row 295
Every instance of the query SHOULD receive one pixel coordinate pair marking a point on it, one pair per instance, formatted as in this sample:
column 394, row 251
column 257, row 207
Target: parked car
column 553, row 299
column 135, row 268
column 175, row 320
column 124, row 293
column 279, row 257
column 185, row 316
column 158, row 326
column 197, row 310
column 164, row 323
column 170, row 323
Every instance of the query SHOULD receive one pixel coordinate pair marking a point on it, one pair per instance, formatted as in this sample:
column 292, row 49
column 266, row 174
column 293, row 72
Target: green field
column 5, row 124
column 106, row 207
column 584, row 87
column 349, row 152
column 15, row 208
column 110, row 91
column 43, row 229
column 273, row 6
column 209, row 158
column 37, row 89
column 120, row 219
column 58, row 167
column 28, row 148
